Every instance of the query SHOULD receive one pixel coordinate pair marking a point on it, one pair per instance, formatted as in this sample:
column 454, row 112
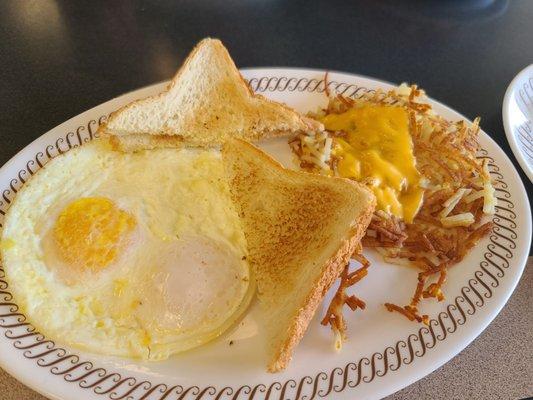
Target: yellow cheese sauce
column 378, row 149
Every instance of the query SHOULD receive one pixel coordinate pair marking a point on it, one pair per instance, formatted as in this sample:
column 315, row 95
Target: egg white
column 181, row 280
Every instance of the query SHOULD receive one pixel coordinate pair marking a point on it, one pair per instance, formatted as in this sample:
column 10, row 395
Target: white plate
column 517, row 113
column 385, row 352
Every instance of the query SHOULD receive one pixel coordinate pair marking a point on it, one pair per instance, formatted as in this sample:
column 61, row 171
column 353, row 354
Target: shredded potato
column 458, row 196
column 334, row 315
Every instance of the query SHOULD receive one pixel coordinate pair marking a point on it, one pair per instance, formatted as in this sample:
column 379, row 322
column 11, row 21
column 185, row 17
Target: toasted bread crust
column 289, row 120
column 137, row 142
column 346, row 242
column 331, row 271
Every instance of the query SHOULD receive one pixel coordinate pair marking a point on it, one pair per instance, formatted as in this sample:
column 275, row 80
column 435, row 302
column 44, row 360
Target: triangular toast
column 301, row 230
column 207, row 102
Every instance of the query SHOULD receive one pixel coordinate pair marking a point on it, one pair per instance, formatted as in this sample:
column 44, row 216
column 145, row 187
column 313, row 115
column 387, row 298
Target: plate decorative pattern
column 524, row 134
column 72, row 368
column 525, row 103
column 518, row 118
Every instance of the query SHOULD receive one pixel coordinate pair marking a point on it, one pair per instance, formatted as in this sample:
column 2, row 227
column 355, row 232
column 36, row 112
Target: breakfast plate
column 517, row 113
column 384, row 351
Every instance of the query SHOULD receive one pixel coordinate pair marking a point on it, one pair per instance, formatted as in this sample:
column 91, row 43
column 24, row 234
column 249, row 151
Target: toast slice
column 301, row 230
column 207, row 102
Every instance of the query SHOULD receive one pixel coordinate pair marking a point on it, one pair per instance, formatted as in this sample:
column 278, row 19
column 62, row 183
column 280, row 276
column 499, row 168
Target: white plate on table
column 517, row 112
column 384, row 353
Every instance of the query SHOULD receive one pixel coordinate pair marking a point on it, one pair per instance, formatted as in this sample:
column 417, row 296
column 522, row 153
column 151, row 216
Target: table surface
column 59, row 58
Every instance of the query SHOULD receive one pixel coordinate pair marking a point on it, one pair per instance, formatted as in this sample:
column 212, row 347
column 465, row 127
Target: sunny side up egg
column 136, row 255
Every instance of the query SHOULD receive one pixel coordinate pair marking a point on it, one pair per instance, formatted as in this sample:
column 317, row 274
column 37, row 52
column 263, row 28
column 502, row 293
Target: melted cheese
column 378, row 149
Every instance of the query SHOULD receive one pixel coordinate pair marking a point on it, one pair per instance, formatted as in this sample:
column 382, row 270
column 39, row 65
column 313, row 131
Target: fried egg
column 137, row 255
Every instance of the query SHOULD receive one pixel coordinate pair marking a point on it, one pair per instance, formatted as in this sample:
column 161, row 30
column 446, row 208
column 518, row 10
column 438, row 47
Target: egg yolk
column 378, row 149
column 90, row 232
